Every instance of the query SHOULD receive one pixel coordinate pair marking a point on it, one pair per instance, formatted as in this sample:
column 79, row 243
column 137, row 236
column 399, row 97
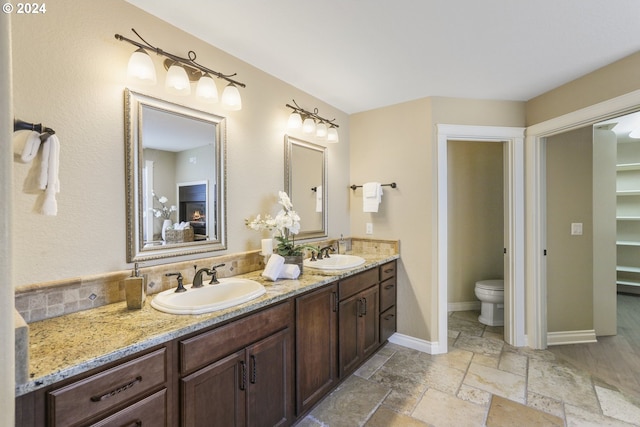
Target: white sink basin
column 229, row 292
column 335, row 262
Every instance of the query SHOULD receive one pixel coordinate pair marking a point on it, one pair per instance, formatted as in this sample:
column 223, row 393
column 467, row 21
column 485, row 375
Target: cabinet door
column 215, row 395
column 369, row 321
column 316, row 345
column 349, row 311
column 270, row 381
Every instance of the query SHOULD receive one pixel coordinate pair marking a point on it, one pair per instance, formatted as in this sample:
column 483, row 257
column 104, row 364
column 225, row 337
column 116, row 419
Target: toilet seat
column 491, row 285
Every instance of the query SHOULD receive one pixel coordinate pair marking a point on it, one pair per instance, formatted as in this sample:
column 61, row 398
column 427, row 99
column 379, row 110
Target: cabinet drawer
column 387, row 293
column 104, row 391
column 210, row 346
column 387, row 324
column 387, row 270
column 150, row 411
column 354, row 284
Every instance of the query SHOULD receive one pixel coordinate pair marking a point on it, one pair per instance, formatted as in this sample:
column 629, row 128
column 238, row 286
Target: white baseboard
column 464, row 306
column 571, row 337
column 416, row 344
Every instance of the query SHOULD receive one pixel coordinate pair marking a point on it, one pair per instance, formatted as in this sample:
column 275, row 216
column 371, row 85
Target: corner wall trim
column 416, row 344
column 571, row 337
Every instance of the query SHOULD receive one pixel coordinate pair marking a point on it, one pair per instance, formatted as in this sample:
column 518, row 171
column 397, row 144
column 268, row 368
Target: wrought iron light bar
column 194, row 70
column 314, row 115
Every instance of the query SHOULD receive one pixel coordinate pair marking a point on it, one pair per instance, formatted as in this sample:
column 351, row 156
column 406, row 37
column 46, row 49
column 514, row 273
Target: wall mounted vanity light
column 181, row 72
column 312, row 123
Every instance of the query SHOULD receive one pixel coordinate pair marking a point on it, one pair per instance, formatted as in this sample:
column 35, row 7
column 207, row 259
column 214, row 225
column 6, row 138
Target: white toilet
column 491, row 294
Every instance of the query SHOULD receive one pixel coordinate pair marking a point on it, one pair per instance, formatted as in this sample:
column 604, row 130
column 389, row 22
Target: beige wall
column 475, row 216
column 613, row 80
column 569, row 258
column 396, row 143
column 70, row 74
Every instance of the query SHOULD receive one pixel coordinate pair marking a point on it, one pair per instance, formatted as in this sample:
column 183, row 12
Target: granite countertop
column 68, row 345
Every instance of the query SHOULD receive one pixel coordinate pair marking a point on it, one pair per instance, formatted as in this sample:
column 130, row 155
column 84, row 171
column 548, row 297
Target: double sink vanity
column 265, row 360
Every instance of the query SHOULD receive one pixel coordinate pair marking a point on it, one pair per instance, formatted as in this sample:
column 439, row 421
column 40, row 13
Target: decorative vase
column 166, row 224
column 294, row 259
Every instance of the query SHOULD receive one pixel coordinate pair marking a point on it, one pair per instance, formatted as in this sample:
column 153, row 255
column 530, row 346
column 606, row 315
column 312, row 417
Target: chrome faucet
column 197, row 279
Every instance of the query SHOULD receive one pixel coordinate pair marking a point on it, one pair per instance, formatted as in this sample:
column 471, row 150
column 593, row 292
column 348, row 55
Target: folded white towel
column 289, row 271
column 26, row 144
column 52, row 187
column 274, row 267
column 371, row 196
column 319, row 198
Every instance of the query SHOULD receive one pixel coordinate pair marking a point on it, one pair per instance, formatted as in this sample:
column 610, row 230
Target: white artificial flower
column 163, row 200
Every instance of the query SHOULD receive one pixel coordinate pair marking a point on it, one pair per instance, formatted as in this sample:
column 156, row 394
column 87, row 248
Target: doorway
column 513, row 139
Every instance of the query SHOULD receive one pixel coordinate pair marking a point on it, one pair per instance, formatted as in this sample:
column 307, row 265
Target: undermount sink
column 228, row 293
column 335, row 262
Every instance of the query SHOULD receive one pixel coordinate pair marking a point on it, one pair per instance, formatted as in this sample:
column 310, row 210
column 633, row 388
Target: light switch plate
column 369, row 228
column 576, row 229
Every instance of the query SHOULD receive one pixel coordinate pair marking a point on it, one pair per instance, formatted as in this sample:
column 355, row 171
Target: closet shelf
column 628, row 269
column 627, row 243
column 628, row 218
column 628, row 192
column 627, row 283
column 628, row 166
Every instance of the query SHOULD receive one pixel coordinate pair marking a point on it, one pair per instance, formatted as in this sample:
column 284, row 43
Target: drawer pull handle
column 389, row 316
column 389, row 270
column 243, row 375
column 335, row 302
column 388, row 287
column 253, row 369
column 136, row 423
column 117, row 390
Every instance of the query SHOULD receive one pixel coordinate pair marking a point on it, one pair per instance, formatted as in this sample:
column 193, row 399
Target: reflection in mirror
column 306, row 183
column 175, row 160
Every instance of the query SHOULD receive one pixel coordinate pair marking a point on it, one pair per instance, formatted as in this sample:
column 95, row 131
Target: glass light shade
column 206, row 89
column 177, row 81
column 295, row 121
column 141, row 67
column 231, row 98
column 332, row 135
column 321, row 130
column 309, row 125
column 635, row 134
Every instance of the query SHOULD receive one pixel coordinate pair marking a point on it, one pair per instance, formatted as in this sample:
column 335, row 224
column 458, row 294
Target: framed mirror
column 175, row 174
column 305, row 180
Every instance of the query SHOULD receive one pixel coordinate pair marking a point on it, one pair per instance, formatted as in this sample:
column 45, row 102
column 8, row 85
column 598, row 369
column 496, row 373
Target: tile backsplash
column 40, row 301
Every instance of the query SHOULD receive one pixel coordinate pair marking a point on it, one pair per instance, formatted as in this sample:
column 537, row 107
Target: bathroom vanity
column 266, row 362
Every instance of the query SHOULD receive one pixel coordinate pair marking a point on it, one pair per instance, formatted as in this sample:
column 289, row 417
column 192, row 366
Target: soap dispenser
column 342, row 245
column 135, row 289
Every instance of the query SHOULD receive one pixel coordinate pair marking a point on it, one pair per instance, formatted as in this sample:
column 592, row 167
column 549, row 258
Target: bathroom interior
column 76, row 261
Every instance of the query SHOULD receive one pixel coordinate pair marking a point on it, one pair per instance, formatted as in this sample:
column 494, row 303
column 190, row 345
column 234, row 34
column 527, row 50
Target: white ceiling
column 362, row 54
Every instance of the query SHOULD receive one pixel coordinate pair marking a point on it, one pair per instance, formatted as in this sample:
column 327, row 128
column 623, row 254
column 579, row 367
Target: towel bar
column 392, row 185
column 22, row 125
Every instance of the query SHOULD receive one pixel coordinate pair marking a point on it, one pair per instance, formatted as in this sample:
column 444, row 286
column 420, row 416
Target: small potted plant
column 287, row 224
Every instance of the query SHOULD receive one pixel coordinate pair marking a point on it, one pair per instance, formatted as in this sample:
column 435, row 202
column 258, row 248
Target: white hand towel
column 319, row 198
column 289, row 271
column 50, row 205
column 274, row 267
column 26, row 144
column 371, row 196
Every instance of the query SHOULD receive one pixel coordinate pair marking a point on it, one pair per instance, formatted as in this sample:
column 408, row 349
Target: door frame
column 536, row 278
column 514, row 201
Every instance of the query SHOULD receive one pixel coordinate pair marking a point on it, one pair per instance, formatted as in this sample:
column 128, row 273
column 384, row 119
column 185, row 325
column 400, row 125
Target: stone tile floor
column 481, row 381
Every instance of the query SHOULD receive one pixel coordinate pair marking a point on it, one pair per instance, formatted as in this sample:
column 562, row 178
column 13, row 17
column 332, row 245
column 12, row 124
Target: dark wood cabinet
column 316, row 345
column 249, row 386
column 358, row 324
column 388, row 297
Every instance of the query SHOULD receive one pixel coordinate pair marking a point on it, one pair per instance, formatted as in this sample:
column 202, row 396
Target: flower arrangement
column 286, row 223
column 164, row 212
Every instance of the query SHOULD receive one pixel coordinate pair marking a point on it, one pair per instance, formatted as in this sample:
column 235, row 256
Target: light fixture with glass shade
column 231, row 98
column 141, row 67
column 295, row 121
column 321, row 130
column 177, row 81
column 206, row 89
column 181, row 72
column 313, row 123
column 332, row 135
